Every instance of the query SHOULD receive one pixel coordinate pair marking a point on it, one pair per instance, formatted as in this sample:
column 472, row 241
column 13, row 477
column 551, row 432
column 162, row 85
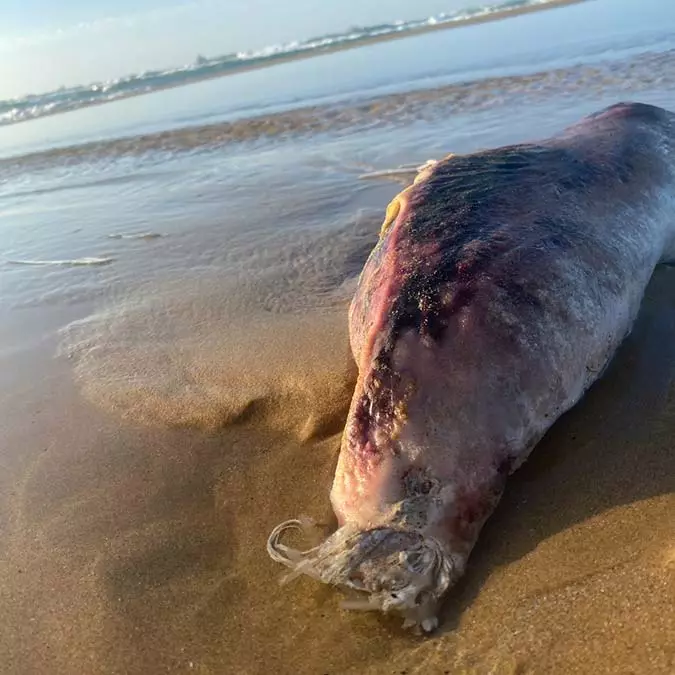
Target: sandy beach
column 130, row 548
column 160, row 414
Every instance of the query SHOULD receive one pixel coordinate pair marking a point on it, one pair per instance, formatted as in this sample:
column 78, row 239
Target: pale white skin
column 471, row 406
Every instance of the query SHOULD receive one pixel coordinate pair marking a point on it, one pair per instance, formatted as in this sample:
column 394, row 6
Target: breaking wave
column 72, row 98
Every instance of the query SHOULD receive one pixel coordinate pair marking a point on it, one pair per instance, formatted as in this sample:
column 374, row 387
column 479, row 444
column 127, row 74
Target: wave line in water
column 135, row 235
column 75, row 262
column 66, row 99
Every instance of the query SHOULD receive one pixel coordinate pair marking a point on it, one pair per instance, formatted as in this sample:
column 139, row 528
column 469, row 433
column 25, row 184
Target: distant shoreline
column 344, row 46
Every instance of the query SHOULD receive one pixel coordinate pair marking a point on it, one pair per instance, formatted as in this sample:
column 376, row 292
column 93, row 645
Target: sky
column 45, row 44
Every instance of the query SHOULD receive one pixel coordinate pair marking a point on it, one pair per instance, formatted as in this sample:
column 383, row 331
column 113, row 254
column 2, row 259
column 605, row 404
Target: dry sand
column 131, row 548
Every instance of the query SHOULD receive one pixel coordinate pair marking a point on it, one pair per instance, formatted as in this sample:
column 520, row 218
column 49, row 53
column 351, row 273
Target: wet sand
column 131, row 547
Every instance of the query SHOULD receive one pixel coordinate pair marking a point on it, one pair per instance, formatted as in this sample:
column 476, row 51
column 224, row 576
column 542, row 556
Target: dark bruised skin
column 456, row 307
column 494, row 298
column 475, row 216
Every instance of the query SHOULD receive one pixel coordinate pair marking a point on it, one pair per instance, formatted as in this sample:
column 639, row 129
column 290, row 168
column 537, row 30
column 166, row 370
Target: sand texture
column 128, row 547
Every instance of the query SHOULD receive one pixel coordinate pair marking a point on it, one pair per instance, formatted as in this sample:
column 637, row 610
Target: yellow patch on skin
column 398, row 202
column 393, row 209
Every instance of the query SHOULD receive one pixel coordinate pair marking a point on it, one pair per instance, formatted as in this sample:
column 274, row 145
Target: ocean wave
column 71, row 98
column 649, row 72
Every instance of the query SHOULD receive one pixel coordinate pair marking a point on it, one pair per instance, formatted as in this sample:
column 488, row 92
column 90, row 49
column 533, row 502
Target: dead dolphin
column 501, row 286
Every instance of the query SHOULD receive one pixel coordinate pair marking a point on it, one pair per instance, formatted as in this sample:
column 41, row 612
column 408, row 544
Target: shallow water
column 161, row 413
